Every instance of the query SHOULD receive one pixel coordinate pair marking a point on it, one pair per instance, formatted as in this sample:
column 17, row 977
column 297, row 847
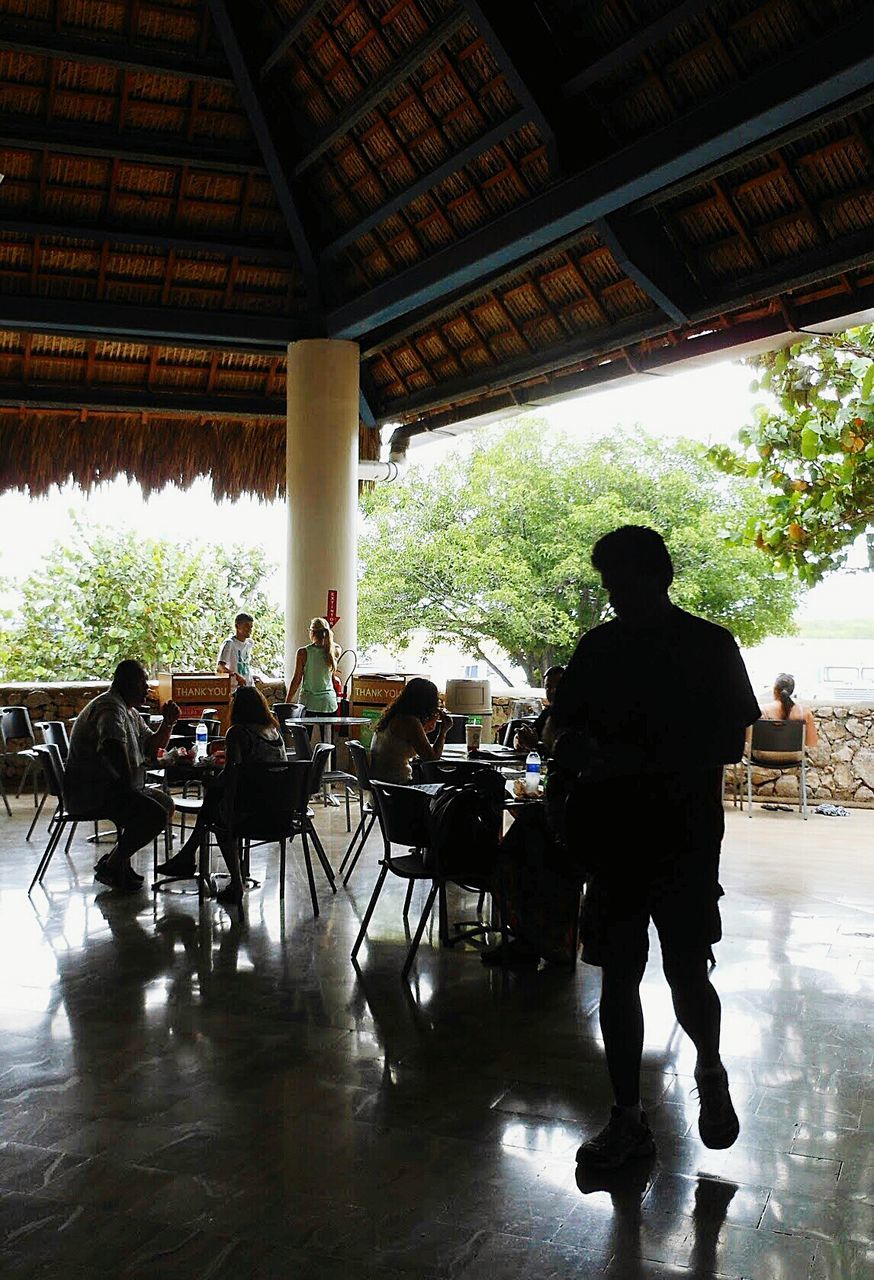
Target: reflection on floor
column 186, row 1096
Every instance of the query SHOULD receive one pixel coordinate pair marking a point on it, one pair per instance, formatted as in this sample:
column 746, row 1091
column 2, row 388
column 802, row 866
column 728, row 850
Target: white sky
column 708, row 404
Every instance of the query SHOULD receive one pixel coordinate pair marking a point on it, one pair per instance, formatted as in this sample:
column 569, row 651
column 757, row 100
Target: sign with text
column 331, row 615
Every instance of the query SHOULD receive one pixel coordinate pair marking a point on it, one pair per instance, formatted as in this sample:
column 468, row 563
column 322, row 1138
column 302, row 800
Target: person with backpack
column 654, row 703
column 401, row 732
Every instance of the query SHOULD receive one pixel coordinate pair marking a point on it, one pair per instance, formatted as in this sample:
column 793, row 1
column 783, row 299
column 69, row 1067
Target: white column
column 321, row 473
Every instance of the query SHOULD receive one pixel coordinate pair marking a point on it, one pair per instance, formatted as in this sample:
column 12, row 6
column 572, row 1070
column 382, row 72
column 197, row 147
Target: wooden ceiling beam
column 68, row 46
column 373, row 94
column 230, row 28
column 255, row 251
column 139, row 148
column 166, row 326
column 133, row 400
column 303, row 19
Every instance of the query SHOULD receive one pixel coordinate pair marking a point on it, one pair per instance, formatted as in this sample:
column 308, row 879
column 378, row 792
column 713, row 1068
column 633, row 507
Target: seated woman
column 253, row 737
column 784, row 708
column 400, row 734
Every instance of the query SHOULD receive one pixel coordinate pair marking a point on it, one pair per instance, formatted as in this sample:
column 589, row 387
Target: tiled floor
column 183, row 1096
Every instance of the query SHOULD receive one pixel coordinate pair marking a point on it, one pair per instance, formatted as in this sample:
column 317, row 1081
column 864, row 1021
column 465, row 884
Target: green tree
column 811, row 449
column 495, row 544
column 106, row 594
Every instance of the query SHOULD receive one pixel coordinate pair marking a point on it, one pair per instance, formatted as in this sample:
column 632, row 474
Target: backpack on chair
column 465, row 827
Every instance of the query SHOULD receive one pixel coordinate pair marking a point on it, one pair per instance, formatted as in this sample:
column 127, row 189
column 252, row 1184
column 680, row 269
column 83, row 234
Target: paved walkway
column 182, row 1096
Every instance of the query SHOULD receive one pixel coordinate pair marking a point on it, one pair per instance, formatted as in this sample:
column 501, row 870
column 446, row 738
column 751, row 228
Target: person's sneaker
column 622, row 1139
column 180, row 867
column 718, row 1124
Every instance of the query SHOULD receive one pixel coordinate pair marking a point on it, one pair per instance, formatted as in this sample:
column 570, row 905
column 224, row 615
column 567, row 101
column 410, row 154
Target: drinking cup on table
column 473, row 734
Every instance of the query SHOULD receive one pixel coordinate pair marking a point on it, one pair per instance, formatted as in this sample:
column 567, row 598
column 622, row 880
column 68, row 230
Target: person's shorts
column 680, row 897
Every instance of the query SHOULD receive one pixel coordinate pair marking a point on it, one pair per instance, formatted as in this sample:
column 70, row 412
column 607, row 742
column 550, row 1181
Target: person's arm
column 153, row 744
column 811, row 735
column 300, row 663
column 221, row 665
column 418, row 739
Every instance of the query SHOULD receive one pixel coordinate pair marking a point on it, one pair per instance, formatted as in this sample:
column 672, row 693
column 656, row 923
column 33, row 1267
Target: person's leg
column 184, row 862
column 614, row 932
column 696, row 1003
column 621, row 1016
column 231, row 853
column 139, row 816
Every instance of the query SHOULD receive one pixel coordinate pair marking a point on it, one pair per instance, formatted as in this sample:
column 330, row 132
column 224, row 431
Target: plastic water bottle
column 532, row 773
column 201, row 737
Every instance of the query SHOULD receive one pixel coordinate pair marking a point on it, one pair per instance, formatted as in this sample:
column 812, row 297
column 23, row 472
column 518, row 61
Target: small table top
column 340, row 721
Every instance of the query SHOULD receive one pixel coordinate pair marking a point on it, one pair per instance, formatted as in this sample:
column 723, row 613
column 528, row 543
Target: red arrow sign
column 331, row 615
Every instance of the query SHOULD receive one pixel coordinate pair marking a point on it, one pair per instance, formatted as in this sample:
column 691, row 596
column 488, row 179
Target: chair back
column 264, row 800
column 54, row 733
column 288, row 711
column 49, row 757
column 360, row 763
column 454, row 772
column 15, row 724
column 298, row 738
column 773, row 739
column 508, row 731
column 403, row 814
column 318, row 765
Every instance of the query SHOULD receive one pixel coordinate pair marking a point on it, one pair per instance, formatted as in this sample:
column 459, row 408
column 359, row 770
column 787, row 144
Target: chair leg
column 322, row 856
column 309, row 866
column 374, row 898
column 4, row 795
column 803, row 786
column 350, row 847
column 73, row 827
column 749, row 789
column 42, row 867
column 420, row 929
column 282, row 844
column 360, row 850
column 36, row 817
column 348, row 811
column 24, row 778
column 408, row 899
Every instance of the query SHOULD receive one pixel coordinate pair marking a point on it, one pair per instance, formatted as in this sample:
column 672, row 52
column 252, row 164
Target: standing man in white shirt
column 235, row 657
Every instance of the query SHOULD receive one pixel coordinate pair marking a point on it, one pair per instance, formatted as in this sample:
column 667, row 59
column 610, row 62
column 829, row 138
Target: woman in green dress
column 314, row 671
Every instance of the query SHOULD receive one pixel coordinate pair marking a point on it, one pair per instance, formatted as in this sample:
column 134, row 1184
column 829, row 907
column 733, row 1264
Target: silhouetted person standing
column 664, row 699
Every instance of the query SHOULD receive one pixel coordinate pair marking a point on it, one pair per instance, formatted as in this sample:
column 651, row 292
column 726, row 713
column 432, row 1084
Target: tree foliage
column 106, row 594
column 495, row 544
column 811, row 449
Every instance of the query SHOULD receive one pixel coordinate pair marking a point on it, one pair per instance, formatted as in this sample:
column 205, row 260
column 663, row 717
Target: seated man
column 529, row 737
column 105, row 773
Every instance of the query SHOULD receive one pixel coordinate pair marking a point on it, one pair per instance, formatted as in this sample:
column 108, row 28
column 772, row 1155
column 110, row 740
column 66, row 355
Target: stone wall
column 55, row 700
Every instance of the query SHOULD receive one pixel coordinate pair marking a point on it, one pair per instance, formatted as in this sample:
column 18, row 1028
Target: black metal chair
column 777, row 744
column 403, row 819
column 269, row 804
column 451, row 772
column 54, row 733
column 16, row 726
column 297, row 740
column 361, row 766
column 49, row 761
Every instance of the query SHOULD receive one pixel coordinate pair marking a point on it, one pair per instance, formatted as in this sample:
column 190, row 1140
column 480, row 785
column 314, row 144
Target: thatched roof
column 500, row 202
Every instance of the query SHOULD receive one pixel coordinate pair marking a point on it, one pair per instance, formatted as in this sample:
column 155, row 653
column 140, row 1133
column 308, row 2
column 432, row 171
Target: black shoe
column 622, row 1139
column 181, row 866
column 718, row 1124
column 516, row 954
column 118, row 878
column 229, row 897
